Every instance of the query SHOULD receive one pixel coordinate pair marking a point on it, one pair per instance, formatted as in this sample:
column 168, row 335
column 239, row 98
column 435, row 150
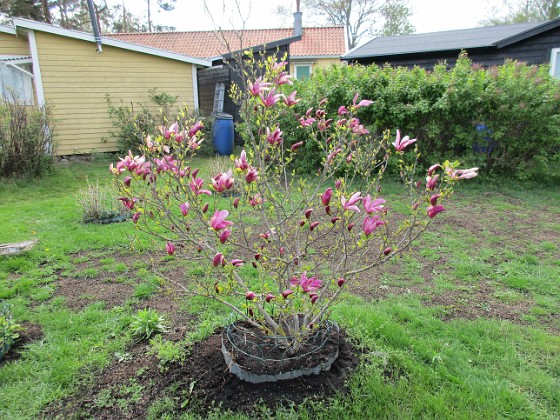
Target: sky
column 189, row 15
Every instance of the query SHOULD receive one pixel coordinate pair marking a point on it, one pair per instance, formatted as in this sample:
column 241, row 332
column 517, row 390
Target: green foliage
column 8, row 329
column 166, row 351
column 26, row 142
column 442, row 109
column 148, row 322
column 134, row 122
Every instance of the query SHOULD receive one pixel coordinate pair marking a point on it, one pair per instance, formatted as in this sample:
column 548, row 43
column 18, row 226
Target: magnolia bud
column 387, row 250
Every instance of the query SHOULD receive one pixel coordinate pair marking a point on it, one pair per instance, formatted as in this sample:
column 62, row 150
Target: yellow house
column 45, row 64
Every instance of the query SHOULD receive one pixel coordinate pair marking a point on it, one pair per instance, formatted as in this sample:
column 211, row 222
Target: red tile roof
column 316, row 42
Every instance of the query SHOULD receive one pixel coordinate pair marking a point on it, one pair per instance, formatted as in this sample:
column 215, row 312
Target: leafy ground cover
column 467, row 327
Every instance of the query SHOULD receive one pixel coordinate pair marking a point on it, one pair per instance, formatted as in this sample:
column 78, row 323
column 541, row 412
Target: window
column 219, row 95
column 555, row 63
column 303, row 71
column 16, row 79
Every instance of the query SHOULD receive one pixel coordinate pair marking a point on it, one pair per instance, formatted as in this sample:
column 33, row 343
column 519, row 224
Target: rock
column 17, row 247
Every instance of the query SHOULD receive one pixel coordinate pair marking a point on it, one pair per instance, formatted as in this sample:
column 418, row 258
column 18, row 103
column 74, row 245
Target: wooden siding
column 316, row 62
column 76, row 80
column 13, row 45
column 535, row 50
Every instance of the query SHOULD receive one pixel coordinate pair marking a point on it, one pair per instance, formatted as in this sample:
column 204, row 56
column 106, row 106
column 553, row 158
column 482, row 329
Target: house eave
column 84, row 36
column 546, row 26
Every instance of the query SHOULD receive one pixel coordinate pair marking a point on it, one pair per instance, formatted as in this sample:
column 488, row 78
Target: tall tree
column 165, row 5
column 359, row 17
column 520, row 11
column 396, row 15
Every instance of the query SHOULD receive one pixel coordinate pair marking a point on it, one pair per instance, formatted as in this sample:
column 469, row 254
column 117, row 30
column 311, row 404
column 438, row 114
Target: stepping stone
column 17, row 247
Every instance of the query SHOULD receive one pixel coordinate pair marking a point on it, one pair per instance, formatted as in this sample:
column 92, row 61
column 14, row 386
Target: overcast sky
column 189, row 15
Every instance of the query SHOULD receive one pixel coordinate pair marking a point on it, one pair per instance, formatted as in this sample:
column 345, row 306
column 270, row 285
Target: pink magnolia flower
column 237, row 262
column 373, row 206
column 241, row 163
column 167, row 132
column 399, row 144
column 127, row 180
column 434, row 210
column 252, row 175
column 456, row 174
column 185, row 207
column 340, row 282
column 274, row 137
column 363, row 102
column 291, row 100
column 313, row 297
column 431, row 182
column 307, row 284
column 306, row 122
column 170, row 248
column 296, row 146
column 258, row 86
column 313, row 225
column 269, row 297
column 196, row 187
column 195, row 128
column 433, row 168
column 287, row 293
column 136, row 216
column 371, row 224
column 326, row 196
column 250, row 295
column 351, row 203
column 256, row 200
column 387, row 250
column 342, row 110
column 225, row 235
column 350, row 226
column 218, row 259
column 270, row 98
column 433, row 199
column 283, row 78
column 218, row 220
column 308, row 213
column 223, row 181
column 236, row 202
column 128, row 202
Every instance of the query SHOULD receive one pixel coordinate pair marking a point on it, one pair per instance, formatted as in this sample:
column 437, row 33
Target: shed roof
column 490, row 36
column 315, row 42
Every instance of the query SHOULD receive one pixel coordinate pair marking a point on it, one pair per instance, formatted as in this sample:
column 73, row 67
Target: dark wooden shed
column 532, row 43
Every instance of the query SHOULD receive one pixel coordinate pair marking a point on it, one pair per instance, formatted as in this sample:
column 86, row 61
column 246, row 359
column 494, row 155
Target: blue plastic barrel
column 222, row 135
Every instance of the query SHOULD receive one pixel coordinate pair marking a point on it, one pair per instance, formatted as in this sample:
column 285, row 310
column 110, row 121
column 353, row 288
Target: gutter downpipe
column 94, row 26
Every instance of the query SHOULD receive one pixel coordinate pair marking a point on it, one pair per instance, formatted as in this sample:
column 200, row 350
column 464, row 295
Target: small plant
column 148, row 322
column 8, row 329
column 26, row 142
column 98, row 206
column 166, row 351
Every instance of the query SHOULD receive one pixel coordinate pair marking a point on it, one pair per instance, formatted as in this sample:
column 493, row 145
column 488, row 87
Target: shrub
column 133, row 123
column 99, row 206
column 26, row 144
column 515, row 107
column 8, row 329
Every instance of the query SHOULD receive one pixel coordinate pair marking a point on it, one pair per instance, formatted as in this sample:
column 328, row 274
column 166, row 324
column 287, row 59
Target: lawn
column 465, row 326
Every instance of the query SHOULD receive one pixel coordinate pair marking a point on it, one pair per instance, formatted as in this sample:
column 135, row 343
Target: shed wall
column 76, row 80
column 13, row 45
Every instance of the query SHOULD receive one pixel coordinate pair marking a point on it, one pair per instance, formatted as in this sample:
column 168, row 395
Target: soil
column 30, row 332
column 200, row 384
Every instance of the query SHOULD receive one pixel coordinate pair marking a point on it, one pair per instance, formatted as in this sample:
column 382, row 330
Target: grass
column 420, row 359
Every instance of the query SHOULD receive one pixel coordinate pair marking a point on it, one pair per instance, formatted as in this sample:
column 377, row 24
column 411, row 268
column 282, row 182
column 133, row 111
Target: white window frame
column 15, row 62
column 310, row 65
column 219, row 97
column 555, row 62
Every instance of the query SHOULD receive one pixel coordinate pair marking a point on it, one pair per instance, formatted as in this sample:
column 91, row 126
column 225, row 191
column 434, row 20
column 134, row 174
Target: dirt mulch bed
column 30, row 333
column 126, row 390
column 80, row 293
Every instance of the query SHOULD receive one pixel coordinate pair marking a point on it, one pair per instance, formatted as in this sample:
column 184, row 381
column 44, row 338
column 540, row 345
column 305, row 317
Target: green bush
column 8, row 329
column 134, row 122
column 518, row 105
column 26, row 142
